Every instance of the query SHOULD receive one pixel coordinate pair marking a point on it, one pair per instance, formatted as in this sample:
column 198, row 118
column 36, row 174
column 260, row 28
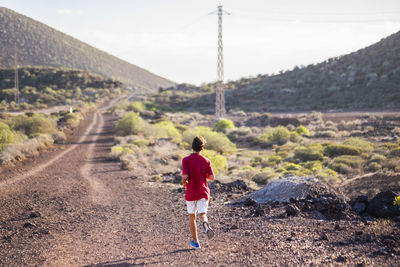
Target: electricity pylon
column 220, row 95
column 16, row 80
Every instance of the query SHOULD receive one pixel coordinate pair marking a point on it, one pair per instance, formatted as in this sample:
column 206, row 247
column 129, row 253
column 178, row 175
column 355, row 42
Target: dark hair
column 198, row 143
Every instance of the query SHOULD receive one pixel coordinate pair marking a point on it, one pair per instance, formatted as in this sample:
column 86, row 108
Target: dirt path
column 74, row 207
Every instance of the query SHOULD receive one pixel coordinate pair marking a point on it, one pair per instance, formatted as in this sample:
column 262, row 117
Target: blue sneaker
column 195, row 245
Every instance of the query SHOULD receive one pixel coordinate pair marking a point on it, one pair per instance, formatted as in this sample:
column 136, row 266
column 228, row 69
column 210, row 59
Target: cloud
column 66, row 11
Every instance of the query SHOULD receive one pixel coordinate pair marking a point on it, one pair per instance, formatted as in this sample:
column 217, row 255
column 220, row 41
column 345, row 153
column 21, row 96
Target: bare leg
column 203, row 217
column 206, row 227
column 193, row 227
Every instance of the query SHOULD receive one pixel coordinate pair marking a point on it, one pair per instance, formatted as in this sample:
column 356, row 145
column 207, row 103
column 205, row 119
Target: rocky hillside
column 366, row 79
column 43, row 86
column 40, row 45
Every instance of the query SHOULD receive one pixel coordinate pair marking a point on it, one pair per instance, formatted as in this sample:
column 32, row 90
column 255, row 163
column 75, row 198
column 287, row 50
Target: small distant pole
column 220, row 95
column 16, row 80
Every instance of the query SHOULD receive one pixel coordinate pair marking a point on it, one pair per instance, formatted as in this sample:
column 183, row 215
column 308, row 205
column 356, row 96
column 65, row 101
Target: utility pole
column 220, row 95
column 16, row 81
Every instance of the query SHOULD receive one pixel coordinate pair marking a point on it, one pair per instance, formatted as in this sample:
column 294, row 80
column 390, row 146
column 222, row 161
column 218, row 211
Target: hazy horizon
column 178, row 39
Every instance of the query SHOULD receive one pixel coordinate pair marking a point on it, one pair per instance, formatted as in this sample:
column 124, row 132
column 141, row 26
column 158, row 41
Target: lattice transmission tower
column 220, row 95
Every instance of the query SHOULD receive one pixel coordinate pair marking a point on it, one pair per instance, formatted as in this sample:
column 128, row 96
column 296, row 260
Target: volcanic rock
column 381, row 206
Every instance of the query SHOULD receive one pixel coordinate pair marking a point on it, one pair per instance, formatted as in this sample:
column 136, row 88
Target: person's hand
column 184, row 182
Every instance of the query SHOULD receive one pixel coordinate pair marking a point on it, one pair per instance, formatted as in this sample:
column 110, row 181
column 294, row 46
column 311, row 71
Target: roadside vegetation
column 331, row 151
column 26, row 135
column 44, row 87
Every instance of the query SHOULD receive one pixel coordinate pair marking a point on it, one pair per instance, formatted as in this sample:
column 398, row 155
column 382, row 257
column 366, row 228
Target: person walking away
column 196, row 170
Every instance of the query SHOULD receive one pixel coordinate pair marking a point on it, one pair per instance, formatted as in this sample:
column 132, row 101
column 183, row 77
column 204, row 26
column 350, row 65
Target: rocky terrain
column 74, row 206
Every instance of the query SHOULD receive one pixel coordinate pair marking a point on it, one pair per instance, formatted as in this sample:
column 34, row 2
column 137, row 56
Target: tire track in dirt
column 38, row 169
column 99, row 194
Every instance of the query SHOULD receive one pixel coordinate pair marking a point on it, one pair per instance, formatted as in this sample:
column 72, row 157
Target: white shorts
column 200, row 206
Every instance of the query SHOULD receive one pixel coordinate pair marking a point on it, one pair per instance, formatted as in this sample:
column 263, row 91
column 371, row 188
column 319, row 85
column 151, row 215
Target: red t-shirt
column 198, row 168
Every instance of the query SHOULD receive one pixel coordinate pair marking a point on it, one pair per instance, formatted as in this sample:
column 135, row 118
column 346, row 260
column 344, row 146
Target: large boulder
column 306, row 194
column 381, row 206
column 294, row 188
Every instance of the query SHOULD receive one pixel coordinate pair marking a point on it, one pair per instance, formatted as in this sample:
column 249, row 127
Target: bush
column 274, row 159
column 309, row 152
column 131, row 123
column 215, row 141
column 301, row 130
column 166, row 129
column 334, row 150
column 224, row 124
column 219, row 162
column 137, row 106
column 313, row 166
column 326, row 173
column 363, row 145
column 262, row 178
column 6, row 135
column 73, row 119
column 117, row 152
column 278, row 135
column 396, row 201
column 352, row 161
column 373, row 167
column 393, row 164
column 37, row 124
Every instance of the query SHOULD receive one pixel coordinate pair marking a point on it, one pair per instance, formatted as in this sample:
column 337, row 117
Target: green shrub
column 292, row 167
column 334, row 150
column 347, row 164
column 73, row 119
column 396, row 201
column 6, row 135
column 378, row 158
column 309, row 152
column 37, row 124
column 313, row 166
column 363, row 145
column 215, row 141
column 301, row 130
column 131, row 123
column 393, row 164
column 326, row 174
column 223, row 124
column 262, row 178
column 140, row 142
column 274, row 159
column 373, row 167
column 117, row 152
column 278, row 135
column 352, row 161
column 219, row 162
column 166, row 129
column 137, row 106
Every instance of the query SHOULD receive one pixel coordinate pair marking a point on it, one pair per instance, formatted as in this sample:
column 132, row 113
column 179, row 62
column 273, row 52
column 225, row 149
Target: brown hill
column 366, row 79
column 40, row 45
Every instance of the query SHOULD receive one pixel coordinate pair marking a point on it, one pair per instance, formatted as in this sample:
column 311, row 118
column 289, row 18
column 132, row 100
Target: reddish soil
column 75, row 207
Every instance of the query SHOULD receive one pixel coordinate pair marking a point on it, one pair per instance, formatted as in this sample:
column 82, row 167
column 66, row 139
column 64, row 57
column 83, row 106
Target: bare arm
column 185, row 179
column 211, row 177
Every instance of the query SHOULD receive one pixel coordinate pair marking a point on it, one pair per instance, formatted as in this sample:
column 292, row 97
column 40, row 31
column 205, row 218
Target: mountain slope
column 366, row 79
column 40, row 45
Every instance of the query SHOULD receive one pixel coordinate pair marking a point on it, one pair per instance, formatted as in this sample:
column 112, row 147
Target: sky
column 177, row 39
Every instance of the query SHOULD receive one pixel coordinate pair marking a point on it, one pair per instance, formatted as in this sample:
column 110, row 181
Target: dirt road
column 74, row 207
